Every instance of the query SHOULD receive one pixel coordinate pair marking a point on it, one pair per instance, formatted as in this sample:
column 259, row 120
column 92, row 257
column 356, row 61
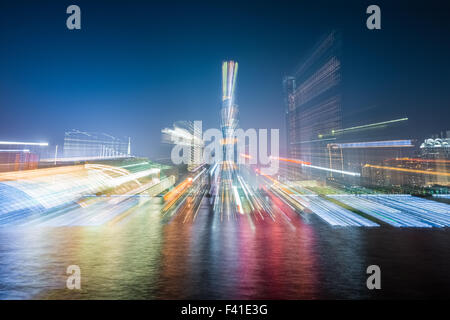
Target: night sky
column 136, row 67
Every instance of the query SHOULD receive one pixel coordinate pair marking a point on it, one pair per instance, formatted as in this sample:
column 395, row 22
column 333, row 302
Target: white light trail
column 15, row 150
column 355, row 174
column 41, row 144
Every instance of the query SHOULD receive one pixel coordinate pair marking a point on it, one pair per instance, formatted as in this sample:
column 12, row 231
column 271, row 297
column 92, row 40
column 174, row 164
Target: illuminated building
column 19, row 155
column 313, row 105
column 188, row 135
column 229, row 108
column 197, row 146
column 407, row 172
column 325, row 132
column 86, row 145
column 437, row 148
column 429, row 168
column 226, row 194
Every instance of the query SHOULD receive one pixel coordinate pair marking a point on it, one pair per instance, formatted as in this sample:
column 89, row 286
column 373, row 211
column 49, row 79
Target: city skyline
column 75, row 83
column 208, row 150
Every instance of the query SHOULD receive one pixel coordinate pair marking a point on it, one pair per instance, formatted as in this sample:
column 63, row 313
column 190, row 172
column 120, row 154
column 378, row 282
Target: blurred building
column 353, row 156
column 413, row 172
column 229, row 109
column 16, row 156
column 87, row 145
column 431, row 167
column 23, row 194
column 313, row 105
column 188, row 135
column 437, row 148
column 196, row 148
column 322, row 130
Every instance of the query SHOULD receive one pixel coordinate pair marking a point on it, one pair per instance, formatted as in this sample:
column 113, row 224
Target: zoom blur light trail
column 40, row 144
column 284, row 192
column 375, row 144
column 381, row 211
column 436, row 173
column 435, row 214
column 172, row 196
column 238, row 200
column 354, row 174
column 57, row 196
column 308, row 164
column 331, row 213
column 368, row 126
column 247, row 156
column 422, row 160
column 292, row 160
column 334, row 214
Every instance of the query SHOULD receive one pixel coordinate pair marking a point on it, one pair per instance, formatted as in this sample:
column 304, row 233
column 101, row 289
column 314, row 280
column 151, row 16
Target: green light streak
column 234, row 78
column 368, row 125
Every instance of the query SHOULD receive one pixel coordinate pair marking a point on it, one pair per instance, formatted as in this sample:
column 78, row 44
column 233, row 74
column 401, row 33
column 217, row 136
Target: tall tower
column 229, row 108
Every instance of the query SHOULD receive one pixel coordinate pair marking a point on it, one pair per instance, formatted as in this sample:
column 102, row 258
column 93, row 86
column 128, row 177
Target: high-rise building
column 337, row 141
column 229, row 108
column 225, row 188
column 313, row 105
column 187, row 134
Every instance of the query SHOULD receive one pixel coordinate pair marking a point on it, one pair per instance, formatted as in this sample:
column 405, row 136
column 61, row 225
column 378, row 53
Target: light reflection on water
column 146, row 257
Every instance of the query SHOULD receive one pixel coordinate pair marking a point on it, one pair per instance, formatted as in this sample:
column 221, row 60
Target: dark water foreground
column 145, row 256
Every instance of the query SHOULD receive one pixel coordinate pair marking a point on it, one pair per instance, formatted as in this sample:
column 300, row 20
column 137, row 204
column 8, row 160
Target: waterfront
column 147, row 256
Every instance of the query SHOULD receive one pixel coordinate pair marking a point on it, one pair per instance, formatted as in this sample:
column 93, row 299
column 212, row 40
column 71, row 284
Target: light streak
column 401, row 210
column 292, row 160
column 366, row 126
column 436, row 173
column 332, row 213
column 15, row 150
column 380, row 211
column 422, row 160
column 444, row 196
column 354, row 174
column 308, row 164
column 375, row 144
column 78, row 159
column 316, row 140
column 238, row 200
column 229, row 74
column 224, row 79
column 169, row 195
column 62, row 190
column 172, row 196
column 41, row 144
column 247, row 156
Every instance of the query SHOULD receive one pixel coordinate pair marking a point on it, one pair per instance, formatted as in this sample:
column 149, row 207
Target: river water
column 150, row 256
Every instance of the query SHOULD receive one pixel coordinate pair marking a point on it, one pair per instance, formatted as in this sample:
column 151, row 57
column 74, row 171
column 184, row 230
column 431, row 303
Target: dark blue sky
column 138, row 66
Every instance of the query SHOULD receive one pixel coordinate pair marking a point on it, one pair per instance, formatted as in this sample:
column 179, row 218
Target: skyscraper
column 229, row 108
column 228, row 192
column 313, row 104
column 324, row 129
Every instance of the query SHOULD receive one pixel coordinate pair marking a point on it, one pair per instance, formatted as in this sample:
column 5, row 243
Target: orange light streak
column 293, row 160
column 436, row 173
column 177, row 190
column 422, row 160
column 247, row 156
